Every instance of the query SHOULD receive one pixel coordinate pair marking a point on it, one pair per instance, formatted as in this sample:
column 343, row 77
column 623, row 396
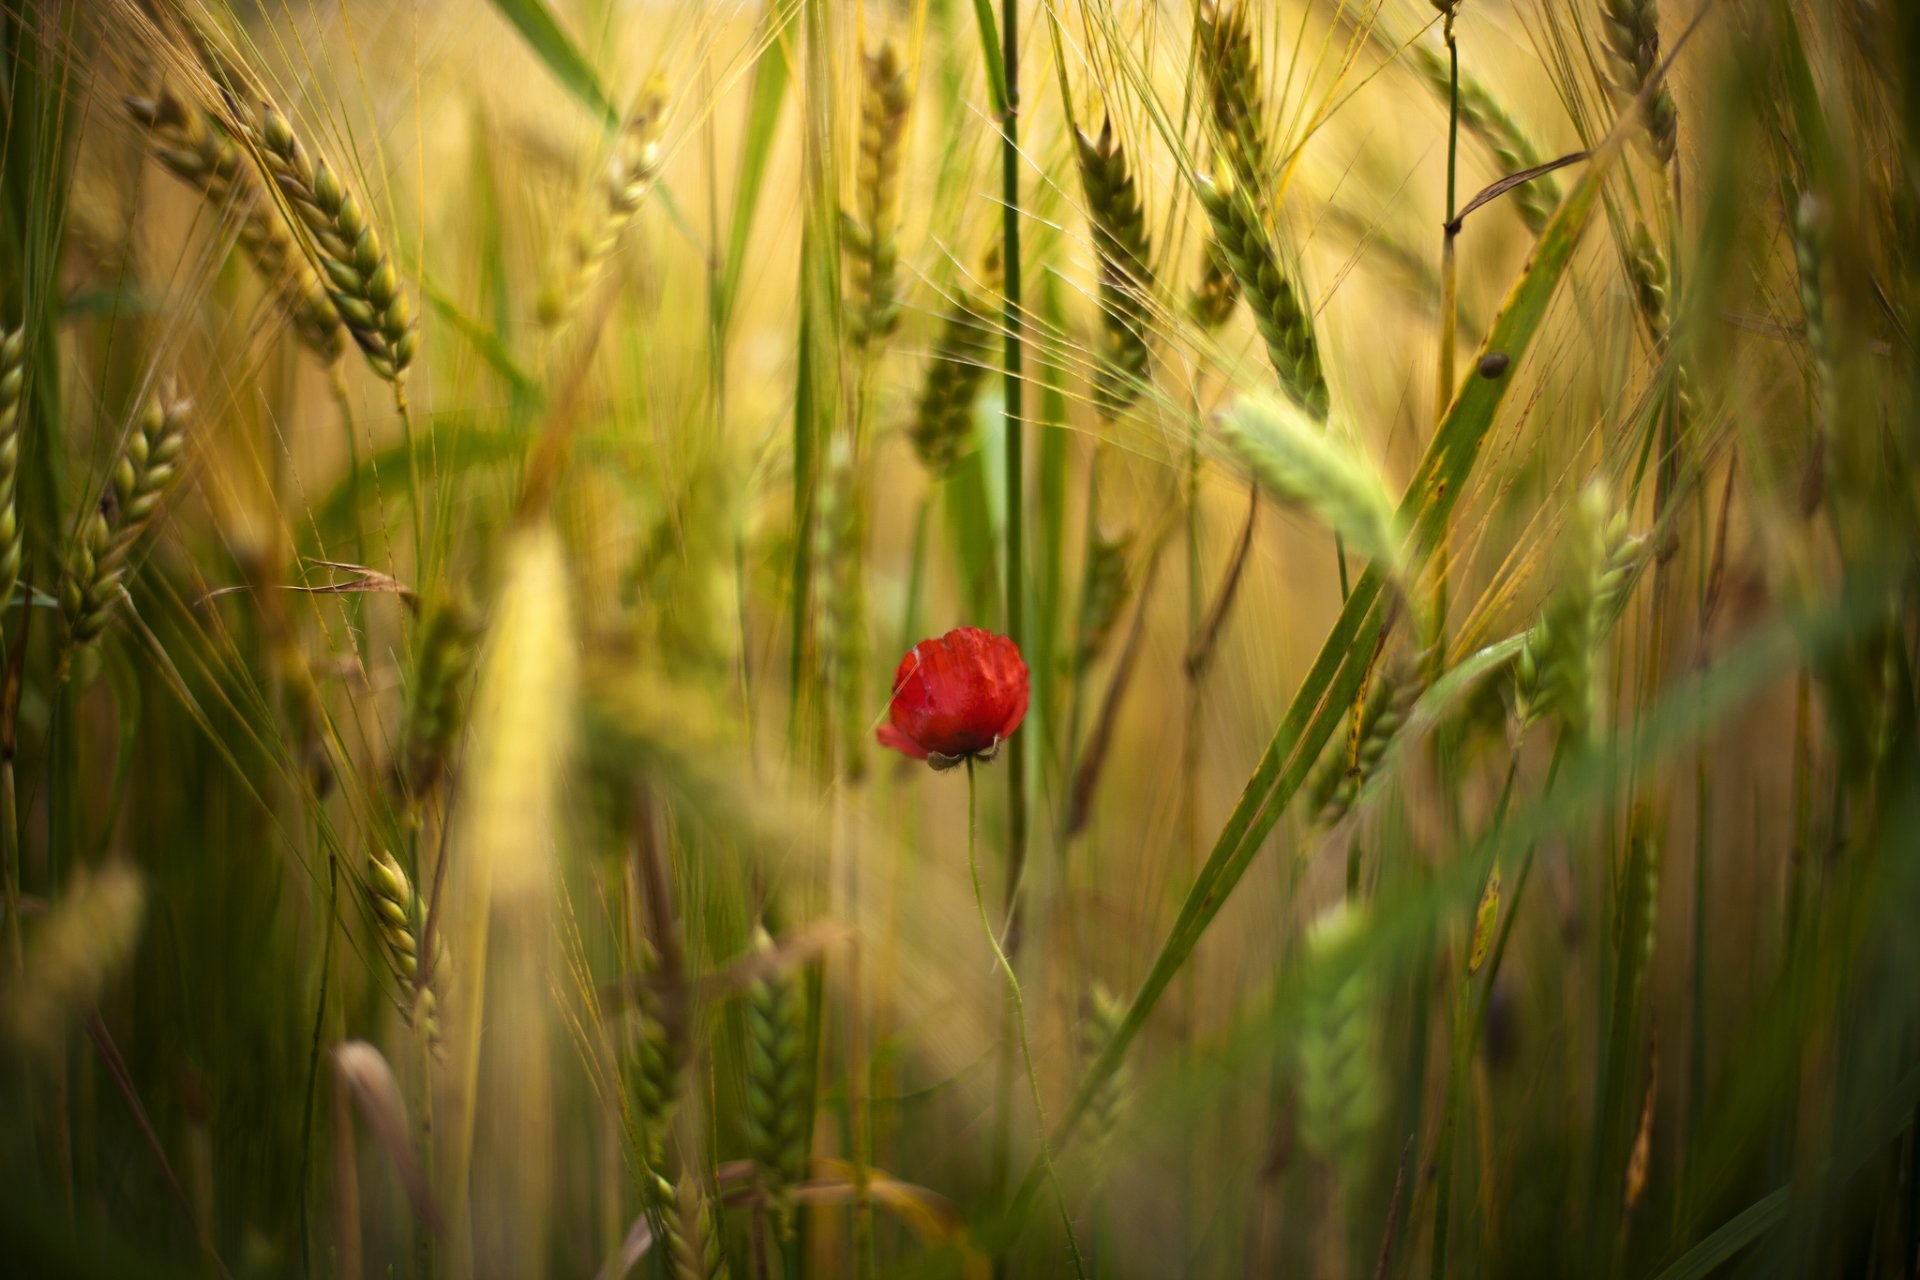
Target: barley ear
column 779, row 1109
column 942, row 427
column 360, row 277
column 1632, row 32
column 87, row 936
column 1303, row 466
column 870, row 235
column 1284, row 322
column 840, row 547
column 1238, row 105
column 1555, row 673
column 1123, row 248
column 1342, row 1084
column 631, row 171
column 146, row 471
column 436, row 710
column 13, row 373
column 195, row 147
column 398, row 917
column 659, row 1057
column 1335, row 784
column 1214, row 298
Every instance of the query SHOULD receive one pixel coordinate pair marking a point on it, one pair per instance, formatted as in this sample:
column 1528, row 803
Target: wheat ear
column 195, row 148
column 1632, row 30
column 632, row 169
column 870, row 235
column 13, row 375
column 1284, row 323
column 360, row 277
column 147, row 469
column 1121, row 243
column 778, row 1108
column 436, row 711
column 1238, row 106
column 942, row 428
column 397, row 917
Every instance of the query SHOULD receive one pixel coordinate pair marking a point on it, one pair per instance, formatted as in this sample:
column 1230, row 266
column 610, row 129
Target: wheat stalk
column 1484, row 116
column 360, row 277
column 1123, row 247
column 195, row 148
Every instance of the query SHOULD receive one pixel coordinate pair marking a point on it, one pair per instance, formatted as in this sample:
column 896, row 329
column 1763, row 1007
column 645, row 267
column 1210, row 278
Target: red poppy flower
column 956, row 697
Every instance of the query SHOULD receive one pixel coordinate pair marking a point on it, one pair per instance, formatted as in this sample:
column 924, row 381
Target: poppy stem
column 1019, row 1015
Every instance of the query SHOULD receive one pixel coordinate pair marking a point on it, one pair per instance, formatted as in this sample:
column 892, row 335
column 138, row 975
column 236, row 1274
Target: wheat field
column 799, row 638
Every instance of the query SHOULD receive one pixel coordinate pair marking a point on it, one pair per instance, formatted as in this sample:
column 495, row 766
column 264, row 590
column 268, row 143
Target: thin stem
column 1013, row 411
column 1019, row 1017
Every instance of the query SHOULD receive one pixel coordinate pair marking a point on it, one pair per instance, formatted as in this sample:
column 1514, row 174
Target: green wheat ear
column 1123, row 248
column 631, row 171
column 146, row 471
column 1284, row 322
column 779, row 1109
column 195, row 147
column 1311, row 469
column 1556, row 673
column 870, row 235
column 1632, row 29
column 13, row 373
column 398, row 919
column 942, row 427
column 360, row 277
column 1342, row 1084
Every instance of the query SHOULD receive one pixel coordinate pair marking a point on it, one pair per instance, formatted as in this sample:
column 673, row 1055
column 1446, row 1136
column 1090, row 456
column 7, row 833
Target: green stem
column 1019, row 1017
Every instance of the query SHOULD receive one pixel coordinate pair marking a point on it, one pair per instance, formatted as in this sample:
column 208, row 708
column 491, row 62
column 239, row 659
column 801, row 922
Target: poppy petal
column 892, row 737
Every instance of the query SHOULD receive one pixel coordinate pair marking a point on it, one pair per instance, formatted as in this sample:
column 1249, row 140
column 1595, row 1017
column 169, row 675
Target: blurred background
column 471, row 469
